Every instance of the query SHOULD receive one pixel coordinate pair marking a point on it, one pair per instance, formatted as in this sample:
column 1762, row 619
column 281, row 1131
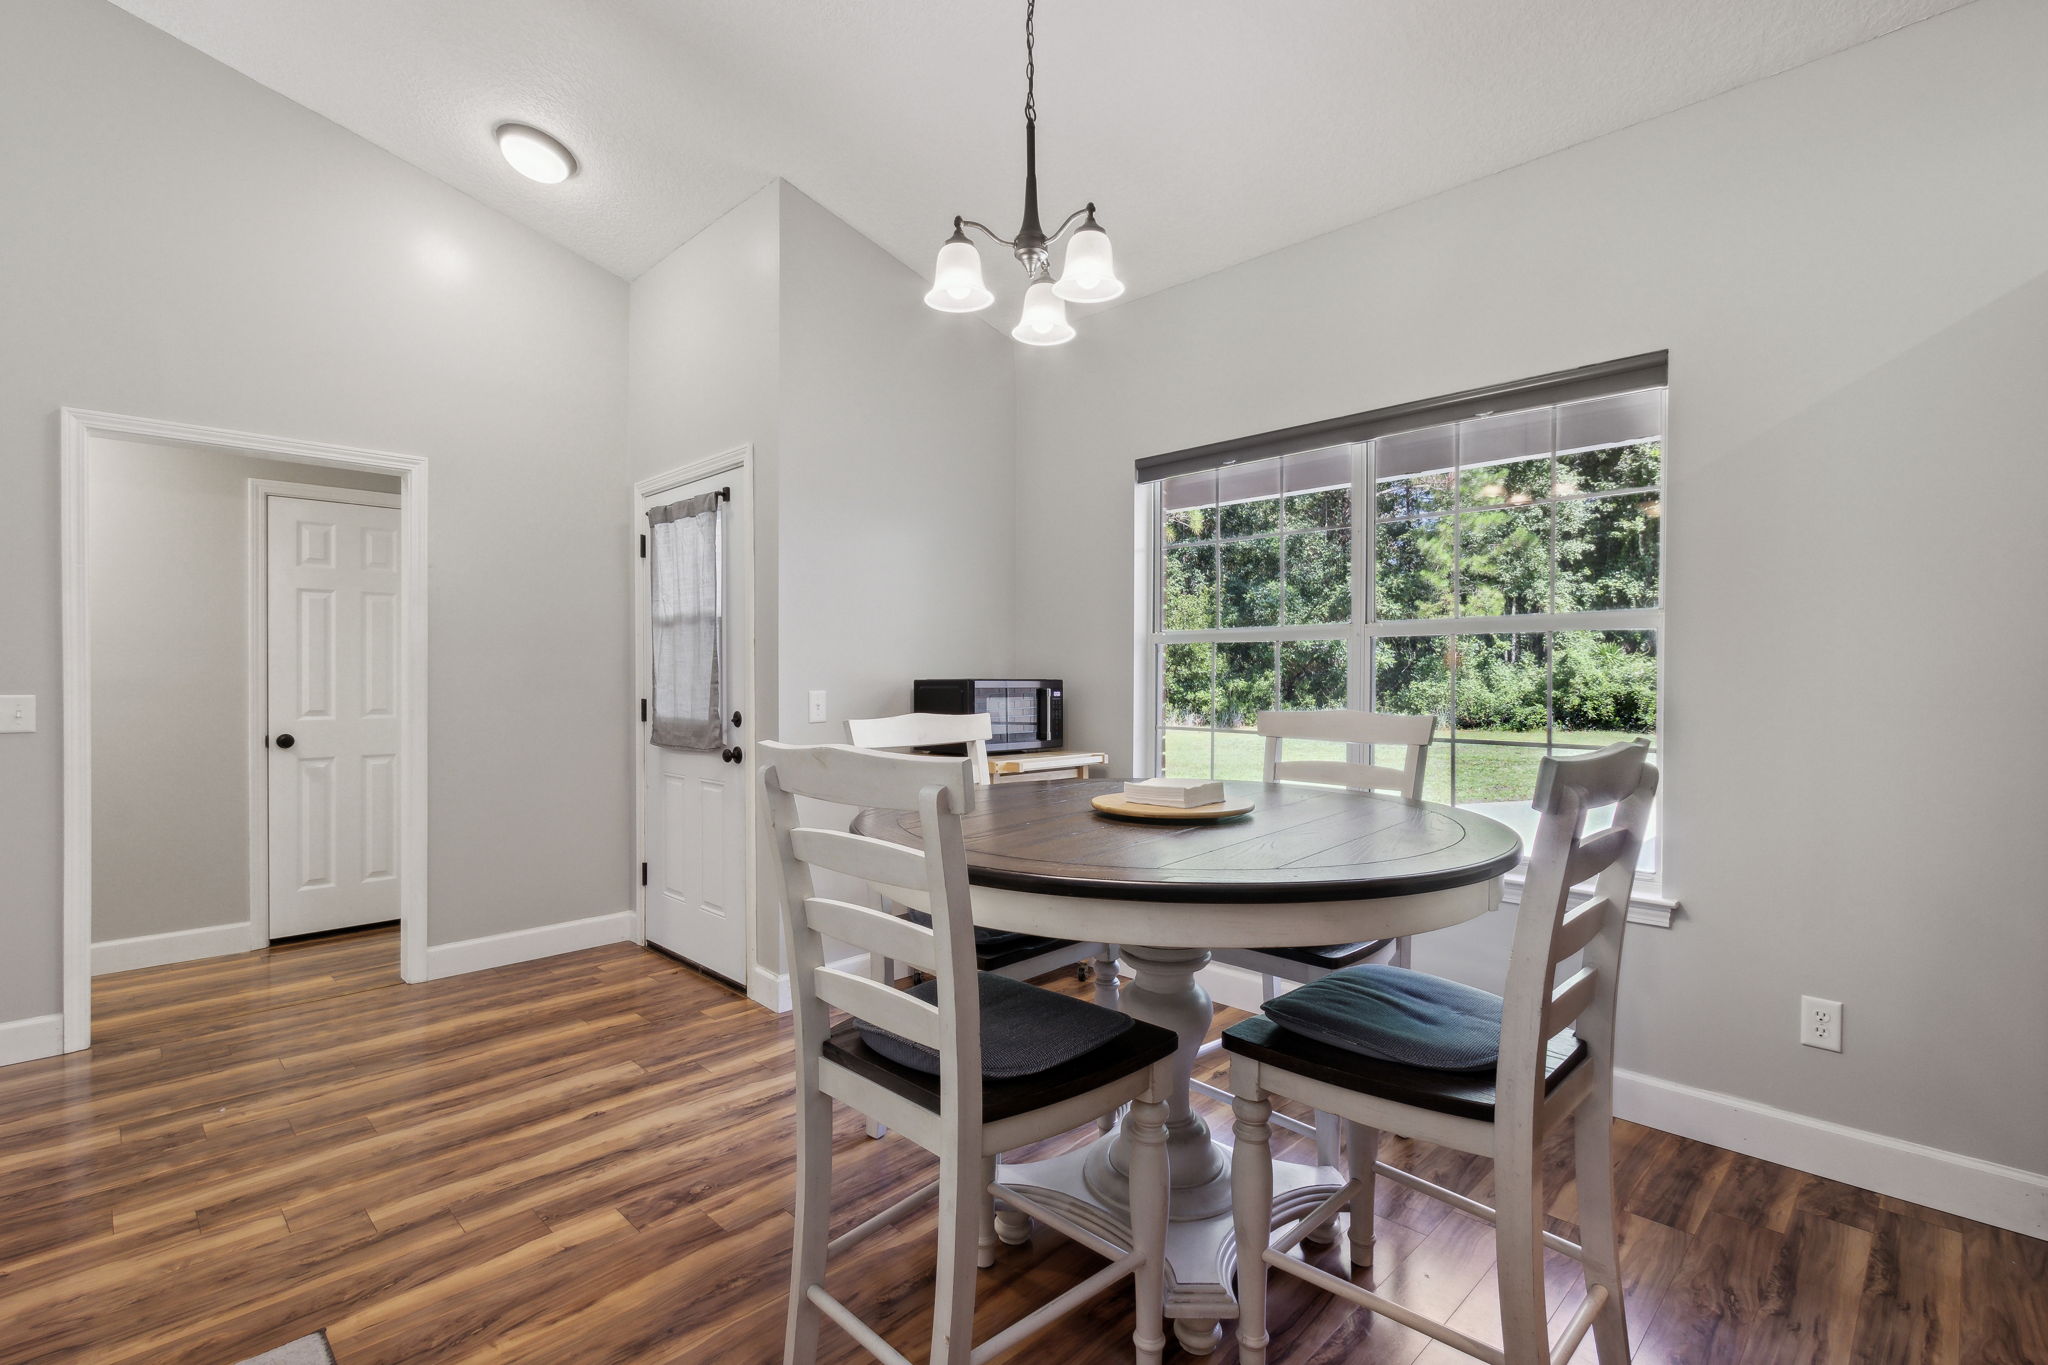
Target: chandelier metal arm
column 1061, row 230
column 1011, row 242
column 983, row 229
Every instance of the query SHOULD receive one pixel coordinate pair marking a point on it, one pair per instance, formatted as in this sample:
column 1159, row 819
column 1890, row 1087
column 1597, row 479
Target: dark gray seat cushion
column 1025, row 1030
column 1020, row 1026
column 1466, row 1094
column 995, row 949
column 1331, row 957
column 1395, row 1015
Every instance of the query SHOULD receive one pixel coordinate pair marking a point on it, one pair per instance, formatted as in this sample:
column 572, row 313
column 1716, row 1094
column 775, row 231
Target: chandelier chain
column 1030, row 61
column 958, row 287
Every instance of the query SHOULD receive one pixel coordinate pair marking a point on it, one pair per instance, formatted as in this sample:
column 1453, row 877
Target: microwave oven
column 1025, row 714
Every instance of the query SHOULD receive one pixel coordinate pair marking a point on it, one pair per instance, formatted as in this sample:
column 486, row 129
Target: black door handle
column 731, row 755
column 285, row 741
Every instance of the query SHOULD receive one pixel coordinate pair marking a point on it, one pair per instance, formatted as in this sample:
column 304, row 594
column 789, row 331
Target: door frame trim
column 740, row 462
column 257, row 647
column 77, row 428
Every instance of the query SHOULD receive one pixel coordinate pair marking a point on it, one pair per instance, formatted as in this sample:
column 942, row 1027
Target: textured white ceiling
column 1208, row 132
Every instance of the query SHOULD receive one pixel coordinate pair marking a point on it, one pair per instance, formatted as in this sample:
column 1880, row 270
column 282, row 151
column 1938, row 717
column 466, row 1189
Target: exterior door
column 334, row 668
column 696, row 801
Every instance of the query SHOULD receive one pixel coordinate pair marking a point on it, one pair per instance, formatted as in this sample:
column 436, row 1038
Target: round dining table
column 1308, row 865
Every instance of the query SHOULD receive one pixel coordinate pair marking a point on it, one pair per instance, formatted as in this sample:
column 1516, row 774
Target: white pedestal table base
column 1089, row 1184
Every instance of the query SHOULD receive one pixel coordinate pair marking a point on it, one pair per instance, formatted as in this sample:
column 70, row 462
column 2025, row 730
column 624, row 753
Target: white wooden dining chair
column 968, row 1065
column 1022, row 956
column 1401, row 753
column 1556, row 1061
column 928, row 729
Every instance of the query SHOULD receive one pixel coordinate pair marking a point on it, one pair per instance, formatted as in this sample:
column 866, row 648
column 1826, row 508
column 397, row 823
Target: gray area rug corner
column 305, row 1351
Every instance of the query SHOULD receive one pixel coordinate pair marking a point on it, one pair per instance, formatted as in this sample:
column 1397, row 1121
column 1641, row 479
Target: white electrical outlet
column 817, row 705
column 1820, row 1023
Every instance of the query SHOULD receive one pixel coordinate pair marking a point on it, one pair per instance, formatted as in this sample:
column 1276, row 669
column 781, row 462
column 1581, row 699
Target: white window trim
column 1647, row 903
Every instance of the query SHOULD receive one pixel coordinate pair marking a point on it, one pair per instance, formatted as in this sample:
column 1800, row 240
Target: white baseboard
column 771, row 989
column 2003, row 1196
column 25, row 1040
column 180, row 945
column 524, row 945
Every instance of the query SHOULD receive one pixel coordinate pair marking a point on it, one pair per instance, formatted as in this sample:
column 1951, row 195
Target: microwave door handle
column 1044, row 715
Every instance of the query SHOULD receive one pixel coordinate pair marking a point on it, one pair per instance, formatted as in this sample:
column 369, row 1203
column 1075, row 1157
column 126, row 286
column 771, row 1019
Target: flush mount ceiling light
column 1090, row 274
column 534, row 154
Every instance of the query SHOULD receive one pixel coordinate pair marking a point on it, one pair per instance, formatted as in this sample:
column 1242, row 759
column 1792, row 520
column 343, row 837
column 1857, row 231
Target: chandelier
column 1090, row 273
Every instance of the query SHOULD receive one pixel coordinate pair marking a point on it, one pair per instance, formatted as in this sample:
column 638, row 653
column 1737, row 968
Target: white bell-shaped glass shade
column 956, row 282
column 1045, row 318
column 1090, row 273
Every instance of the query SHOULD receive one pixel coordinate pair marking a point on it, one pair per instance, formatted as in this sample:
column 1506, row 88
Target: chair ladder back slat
column 1410, row 734
column 1548, row 932
column 920, row 729
column 916, row 728
column 1357, row 776
column 1615, row 884
column 874, row 861
column 1596, row 853
column 846, row 776
column 1598, row 779
column 1579, row 927
column 874, row 931
column 1570, row 1000
column 871, row 1002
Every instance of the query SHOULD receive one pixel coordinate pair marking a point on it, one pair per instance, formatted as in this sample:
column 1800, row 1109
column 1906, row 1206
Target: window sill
column 1646, row 904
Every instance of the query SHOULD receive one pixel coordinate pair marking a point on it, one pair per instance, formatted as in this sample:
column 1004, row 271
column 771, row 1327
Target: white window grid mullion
column 1457, row 607
column 1620, row 618
column 1281, row 531
column 1365, row 629
column 1215, row 654
column 1252, row 635
column 1358, row 681
column 1550, row 638
column 1152, row 667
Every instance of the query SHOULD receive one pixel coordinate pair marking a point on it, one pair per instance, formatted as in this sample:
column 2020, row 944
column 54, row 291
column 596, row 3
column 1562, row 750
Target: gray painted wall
column 883, row 434
column 198, row 248
column 704, row 352
column 897, row 443
column 1846, row 263
column 169, row 574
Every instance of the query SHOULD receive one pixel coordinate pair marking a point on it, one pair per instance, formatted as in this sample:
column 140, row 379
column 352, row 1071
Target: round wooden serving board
column 1116, row 803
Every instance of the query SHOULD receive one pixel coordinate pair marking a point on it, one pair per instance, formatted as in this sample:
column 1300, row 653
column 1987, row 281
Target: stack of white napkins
column 1175, row 791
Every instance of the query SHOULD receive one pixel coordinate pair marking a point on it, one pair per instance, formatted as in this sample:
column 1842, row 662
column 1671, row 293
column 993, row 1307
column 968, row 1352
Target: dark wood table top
column 1300, row 843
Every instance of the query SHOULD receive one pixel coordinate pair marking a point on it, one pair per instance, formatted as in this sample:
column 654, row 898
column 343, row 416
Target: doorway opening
column 244, row 696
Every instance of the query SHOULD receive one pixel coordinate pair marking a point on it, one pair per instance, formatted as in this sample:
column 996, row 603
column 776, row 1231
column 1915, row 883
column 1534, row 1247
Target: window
column 1501, row 571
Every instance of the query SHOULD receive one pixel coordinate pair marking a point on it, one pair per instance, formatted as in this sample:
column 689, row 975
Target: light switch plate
column 817, row 705
column 17, row 715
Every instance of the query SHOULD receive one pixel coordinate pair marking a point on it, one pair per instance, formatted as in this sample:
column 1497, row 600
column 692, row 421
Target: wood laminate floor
column 588, row 1159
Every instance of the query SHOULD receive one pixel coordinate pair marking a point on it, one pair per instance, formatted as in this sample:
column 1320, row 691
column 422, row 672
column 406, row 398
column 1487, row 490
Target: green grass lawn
column 1485, row 772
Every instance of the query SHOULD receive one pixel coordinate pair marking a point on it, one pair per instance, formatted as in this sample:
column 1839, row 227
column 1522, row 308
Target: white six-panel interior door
column 696, row 801
column 333, row 644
